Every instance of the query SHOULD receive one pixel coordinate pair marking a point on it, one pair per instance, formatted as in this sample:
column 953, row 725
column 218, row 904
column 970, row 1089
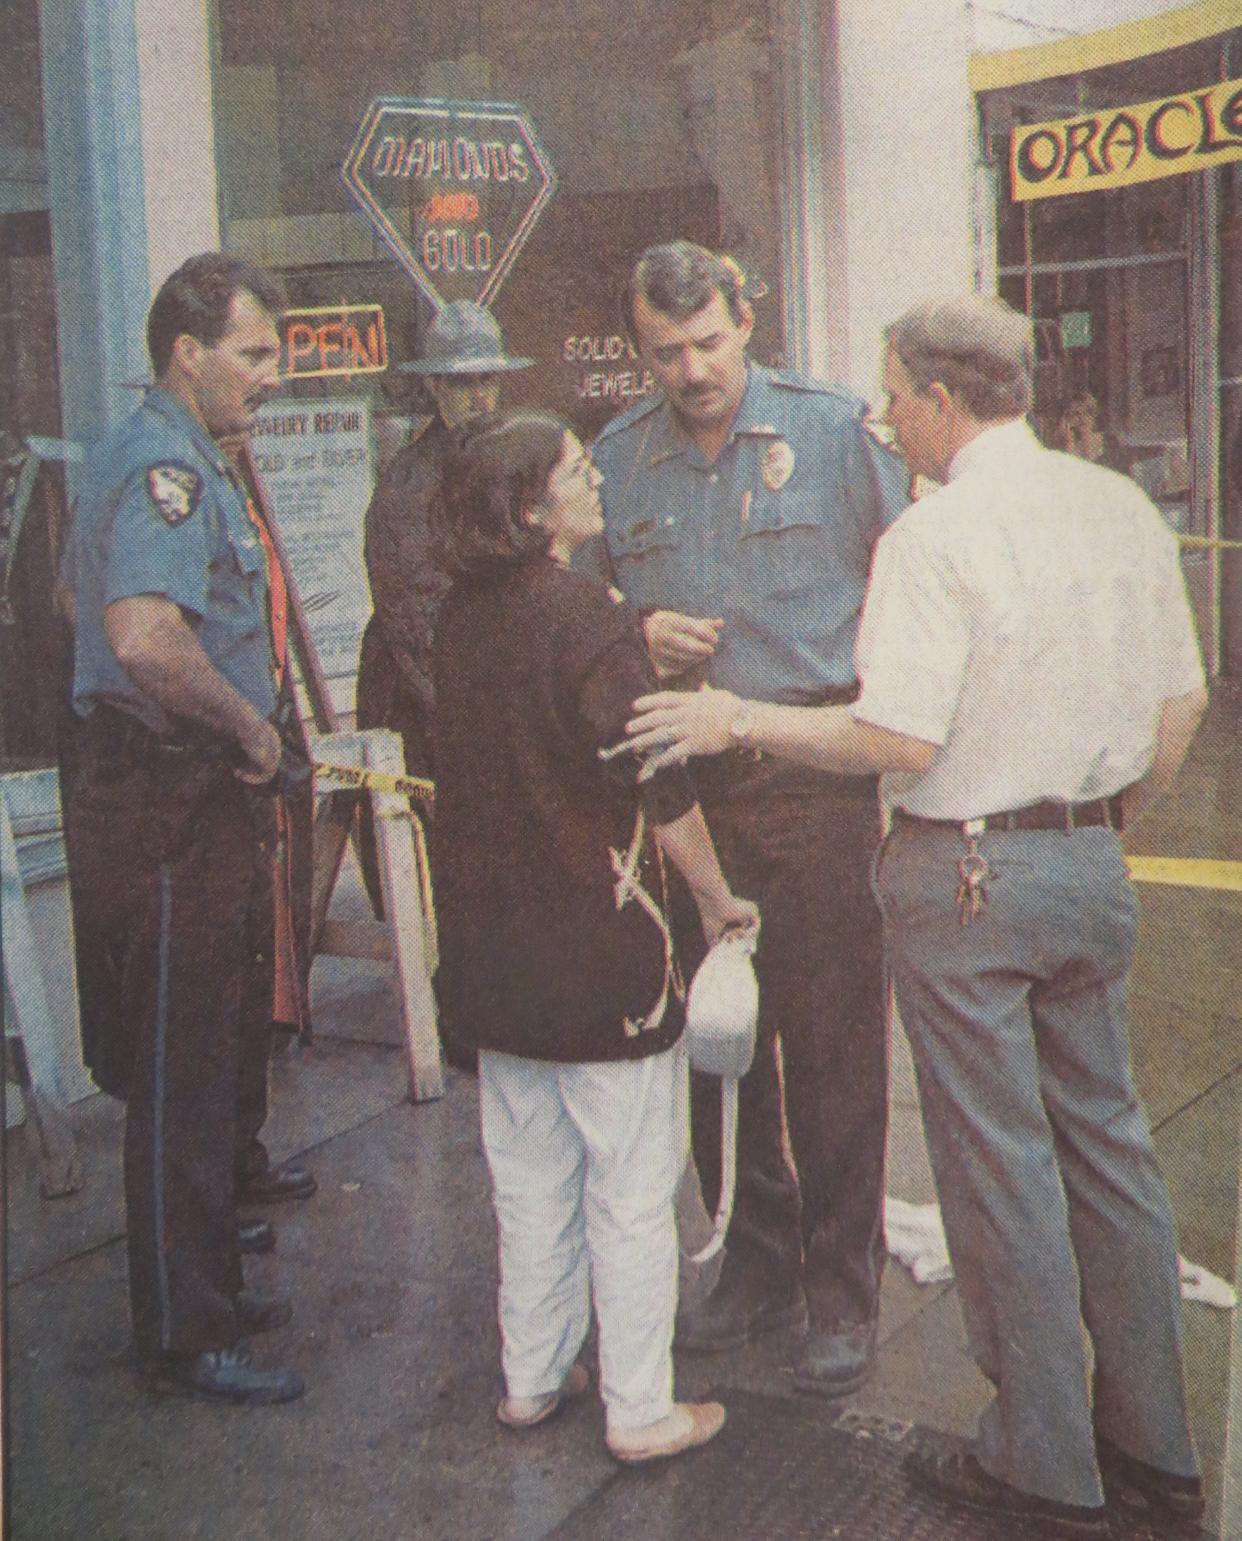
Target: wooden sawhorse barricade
column 407, row 937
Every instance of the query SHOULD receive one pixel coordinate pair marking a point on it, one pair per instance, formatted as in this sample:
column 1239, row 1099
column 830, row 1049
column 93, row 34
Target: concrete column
column 131, row 183
column 902, row 174
column 178, row 134
column 97, row 204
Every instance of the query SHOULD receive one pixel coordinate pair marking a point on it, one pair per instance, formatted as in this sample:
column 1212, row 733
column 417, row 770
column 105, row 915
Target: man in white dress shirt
column 1030, row 680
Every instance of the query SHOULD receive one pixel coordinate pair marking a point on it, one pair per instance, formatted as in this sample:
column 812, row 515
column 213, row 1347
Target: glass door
column 1229, row 212
column 1121, row 287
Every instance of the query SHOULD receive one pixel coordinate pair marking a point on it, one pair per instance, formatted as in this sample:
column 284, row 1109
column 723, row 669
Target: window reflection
column 661, row 120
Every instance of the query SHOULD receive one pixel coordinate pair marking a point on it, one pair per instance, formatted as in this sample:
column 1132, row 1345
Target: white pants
column 585, row 1161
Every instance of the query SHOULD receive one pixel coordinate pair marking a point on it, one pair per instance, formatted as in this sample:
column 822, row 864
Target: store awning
column 1113, row 45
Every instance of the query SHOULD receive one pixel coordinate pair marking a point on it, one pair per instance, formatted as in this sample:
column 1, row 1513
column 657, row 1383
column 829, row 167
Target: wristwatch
column 742, row 728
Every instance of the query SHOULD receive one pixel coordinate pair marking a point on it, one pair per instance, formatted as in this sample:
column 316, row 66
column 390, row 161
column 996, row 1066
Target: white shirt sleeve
column 913, row 639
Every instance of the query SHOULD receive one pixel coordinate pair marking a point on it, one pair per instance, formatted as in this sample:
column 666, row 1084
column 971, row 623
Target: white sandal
column 689, row 1425
column 529, row 1412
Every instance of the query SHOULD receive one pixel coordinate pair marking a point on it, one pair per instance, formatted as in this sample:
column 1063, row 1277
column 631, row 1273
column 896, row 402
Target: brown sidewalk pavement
column 392, row 1268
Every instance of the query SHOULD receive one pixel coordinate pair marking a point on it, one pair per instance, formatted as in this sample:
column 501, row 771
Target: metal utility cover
column 785, row 1470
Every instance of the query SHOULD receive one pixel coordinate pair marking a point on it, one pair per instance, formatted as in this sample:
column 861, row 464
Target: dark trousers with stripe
column 171, row 879
column 799, row 843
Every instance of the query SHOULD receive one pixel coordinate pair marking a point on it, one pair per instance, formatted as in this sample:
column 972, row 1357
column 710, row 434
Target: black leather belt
column 1066, row 817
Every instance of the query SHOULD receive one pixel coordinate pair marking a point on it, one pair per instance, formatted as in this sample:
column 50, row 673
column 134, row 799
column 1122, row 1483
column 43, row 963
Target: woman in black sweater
column 555, row 961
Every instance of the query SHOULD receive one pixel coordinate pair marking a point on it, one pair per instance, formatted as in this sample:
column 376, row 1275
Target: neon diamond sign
column 453, row 188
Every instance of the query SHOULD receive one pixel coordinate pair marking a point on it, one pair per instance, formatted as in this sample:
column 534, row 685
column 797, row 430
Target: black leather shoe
column 735, row 1314
column 255, row 1236
column 951, row 1471
column 276, row 1183
column 224, row 1375
column 257, row 1312
column 835, row 1360
column 1174, row 1503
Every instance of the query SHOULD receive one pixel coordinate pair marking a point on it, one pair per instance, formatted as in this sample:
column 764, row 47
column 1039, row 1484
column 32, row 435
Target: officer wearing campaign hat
column 463, row 339
column 462, row 361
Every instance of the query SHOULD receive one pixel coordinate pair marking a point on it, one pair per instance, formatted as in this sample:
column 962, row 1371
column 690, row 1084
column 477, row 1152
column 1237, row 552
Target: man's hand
column 1178, row 723
column 160, row 651
column 674, row 724
column 671, row 725
column 262, row 749
column 677, row 642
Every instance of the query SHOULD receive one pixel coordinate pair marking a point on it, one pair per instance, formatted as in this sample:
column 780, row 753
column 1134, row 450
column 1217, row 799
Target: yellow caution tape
column 1185, row 872
column 1214, row 541
column 414, row 786
column 376, row 781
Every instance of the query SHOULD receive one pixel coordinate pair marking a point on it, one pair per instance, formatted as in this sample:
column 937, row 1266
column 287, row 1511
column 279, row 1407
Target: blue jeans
column 1056, row 1214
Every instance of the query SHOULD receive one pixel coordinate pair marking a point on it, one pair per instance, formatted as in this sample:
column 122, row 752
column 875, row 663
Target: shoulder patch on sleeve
column 175, row 490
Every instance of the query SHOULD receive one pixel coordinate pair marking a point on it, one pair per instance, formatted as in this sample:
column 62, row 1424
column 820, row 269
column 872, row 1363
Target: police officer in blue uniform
column 741, row 506
column 170, row 825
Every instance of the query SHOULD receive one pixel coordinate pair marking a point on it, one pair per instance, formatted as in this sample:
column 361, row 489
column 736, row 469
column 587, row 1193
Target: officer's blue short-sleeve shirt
column 775, row 535
column 162, row 512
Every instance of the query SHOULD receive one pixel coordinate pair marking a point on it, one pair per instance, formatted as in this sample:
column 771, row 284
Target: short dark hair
column 678, row 279
column 496, row 469
column 980, row 349
column 197, row 298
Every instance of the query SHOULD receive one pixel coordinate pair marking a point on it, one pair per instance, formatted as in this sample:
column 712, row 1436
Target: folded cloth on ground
column 914, row 1235
column 1199, row 1284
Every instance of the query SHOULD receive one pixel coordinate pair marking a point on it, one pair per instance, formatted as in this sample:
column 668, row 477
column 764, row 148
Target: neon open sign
column 333, row 340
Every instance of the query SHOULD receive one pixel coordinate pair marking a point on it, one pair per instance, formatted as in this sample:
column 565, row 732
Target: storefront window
column 1229, row 206
column 660, row 120
column 32, row 484
column 1119, row 231
column 1114, row 328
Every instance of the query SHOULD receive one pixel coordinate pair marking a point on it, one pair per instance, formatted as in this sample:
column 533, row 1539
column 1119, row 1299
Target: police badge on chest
column 777, row 465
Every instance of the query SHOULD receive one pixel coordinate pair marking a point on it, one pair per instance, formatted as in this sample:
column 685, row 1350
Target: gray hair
column 678, row 279
column 980, row 349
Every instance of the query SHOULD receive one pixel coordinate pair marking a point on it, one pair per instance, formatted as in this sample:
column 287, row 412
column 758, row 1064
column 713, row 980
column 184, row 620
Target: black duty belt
column 1108, row 812
column 121, row 733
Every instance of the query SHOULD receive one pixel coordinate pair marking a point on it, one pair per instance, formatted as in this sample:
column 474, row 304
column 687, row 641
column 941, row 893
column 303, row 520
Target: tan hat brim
column 474, row 366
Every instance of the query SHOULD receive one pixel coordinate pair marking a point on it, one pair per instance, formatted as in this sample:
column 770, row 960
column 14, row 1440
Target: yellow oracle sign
column 1116, row 146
